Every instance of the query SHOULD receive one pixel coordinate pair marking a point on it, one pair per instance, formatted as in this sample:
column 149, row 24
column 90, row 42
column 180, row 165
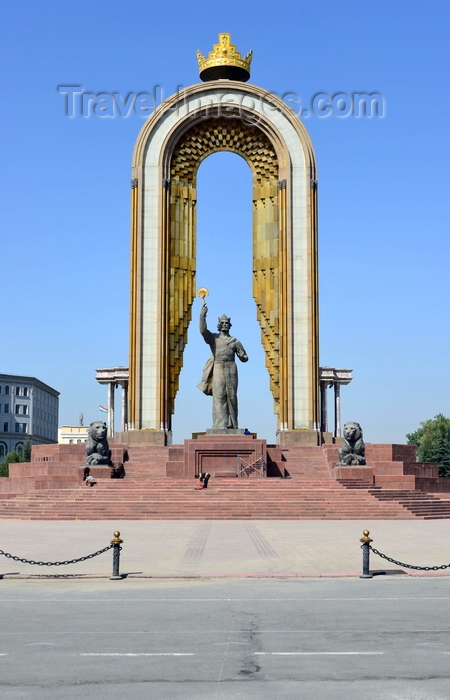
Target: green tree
column 433, row 442
column 12, row 456
column 26, row 451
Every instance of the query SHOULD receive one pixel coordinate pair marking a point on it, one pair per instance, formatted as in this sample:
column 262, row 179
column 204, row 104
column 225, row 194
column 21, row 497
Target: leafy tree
column 433, row 442
column 26, row 451
column 12, row 456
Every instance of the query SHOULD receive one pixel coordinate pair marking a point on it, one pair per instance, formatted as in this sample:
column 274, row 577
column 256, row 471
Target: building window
column 70, row 441
column 21, row 409
column 7, row 389
column 25, row 391
column 21, row 427
column 19, row 447
column 3, row 449
column 6, row 427
column 6, row 407
column 17, row 390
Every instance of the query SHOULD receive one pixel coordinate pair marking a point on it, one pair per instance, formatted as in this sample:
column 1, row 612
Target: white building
column 28, row 410
column 72, row 434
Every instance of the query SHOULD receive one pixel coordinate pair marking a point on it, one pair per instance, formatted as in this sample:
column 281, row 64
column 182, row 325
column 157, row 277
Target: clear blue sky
column 383, row 196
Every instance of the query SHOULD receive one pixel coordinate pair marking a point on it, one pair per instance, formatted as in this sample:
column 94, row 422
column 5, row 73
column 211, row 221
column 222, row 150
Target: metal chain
column 56, row 563
column 408, row 566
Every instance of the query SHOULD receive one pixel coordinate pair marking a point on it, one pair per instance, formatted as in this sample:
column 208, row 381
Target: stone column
column 323, row 407
column 111, row 387
column 337, row 409
column 124, row 424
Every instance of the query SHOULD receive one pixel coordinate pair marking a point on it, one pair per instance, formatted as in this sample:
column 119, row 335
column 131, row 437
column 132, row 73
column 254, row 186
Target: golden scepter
column 203, row 292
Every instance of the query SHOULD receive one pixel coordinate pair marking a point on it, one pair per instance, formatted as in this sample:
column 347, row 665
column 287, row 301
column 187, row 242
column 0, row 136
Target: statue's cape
column 205, row 384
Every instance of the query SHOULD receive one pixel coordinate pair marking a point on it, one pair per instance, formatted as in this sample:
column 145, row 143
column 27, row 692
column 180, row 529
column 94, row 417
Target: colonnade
column 328, row 377
column 331, row 377
column 114, row 377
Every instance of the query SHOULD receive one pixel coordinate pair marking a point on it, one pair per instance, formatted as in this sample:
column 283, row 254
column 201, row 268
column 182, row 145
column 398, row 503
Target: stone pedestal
column 143, row 437
column 98, row 471
column 287, row 438
column 361, row 472
column 216, row 454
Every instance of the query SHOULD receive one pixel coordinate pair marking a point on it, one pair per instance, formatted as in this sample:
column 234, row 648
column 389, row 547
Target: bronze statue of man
column 220, row 377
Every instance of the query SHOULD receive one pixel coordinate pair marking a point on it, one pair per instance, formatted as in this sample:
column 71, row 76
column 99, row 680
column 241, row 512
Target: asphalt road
column 313, row 639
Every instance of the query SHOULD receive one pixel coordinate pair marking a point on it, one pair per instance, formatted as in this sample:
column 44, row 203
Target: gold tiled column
column 266, row 277
column 180, row 286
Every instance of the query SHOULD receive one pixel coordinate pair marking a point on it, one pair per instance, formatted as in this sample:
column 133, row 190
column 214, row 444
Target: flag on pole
column 103, row 409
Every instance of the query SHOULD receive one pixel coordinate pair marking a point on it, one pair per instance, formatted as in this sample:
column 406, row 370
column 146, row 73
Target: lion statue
column 353, row 449
column 97, row 448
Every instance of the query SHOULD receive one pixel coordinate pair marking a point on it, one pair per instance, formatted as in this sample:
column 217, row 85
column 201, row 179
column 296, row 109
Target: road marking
column 143, row 654
column 3, row 654
column 319, row 653
column 378, row 599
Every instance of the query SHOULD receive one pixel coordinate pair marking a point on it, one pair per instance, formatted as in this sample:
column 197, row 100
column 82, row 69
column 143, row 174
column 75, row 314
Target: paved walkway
column 222, row 548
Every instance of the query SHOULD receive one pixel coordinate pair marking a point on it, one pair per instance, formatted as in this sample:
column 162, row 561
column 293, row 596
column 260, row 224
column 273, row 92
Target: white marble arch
column 151, row 162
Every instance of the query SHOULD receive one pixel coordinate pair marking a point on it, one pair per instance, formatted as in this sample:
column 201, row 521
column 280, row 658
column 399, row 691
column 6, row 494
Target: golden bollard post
column 366, row 540
column 116, row 542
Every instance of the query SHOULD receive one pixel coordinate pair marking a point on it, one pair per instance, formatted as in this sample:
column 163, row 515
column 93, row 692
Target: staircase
column 53, row 490
column 421, row 504
column 261, row 499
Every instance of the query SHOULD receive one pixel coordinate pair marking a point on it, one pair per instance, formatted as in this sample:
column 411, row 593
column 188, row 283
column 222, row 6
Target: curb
column 218, row 576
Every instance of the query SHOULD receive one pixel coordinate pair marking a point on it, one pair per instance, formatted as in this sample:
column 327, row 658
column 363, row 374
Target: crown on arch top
column 224, row 62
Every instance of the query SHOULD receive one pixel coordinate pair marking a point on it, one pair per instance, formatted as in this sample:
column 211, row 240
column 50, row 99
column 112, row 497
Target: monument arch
column 223, row 115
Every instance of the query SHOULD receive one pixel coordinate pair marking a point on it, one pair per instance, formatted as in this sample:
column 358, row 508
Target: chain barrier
column 367, row 548
column 115, row 546
column 406, row 566
column 56, row 563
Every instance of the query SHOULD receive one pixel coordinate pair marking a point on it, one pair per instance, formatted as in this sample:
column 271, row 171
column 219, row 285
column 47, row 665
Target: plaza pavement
column 202, row 548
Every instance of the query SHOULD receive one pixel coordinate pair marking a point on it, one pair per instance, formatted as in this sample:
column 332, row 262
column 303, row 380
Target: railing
column 247, row 468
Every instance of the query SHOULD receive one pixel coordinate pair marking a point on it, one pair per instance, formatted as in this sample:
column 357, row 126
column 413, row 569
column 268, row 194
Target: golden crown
column 224, row 62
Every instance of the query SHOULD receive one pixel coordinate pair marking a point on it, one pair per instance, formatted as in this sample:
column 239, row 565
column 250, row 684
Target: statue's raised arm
column 203, row 327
